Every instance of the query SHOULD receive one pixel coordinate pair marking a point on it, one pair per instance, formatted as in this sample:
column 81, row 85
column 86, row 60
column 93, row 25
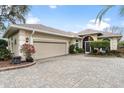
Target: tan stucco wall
column 11, row 44
column 22, row 35
column 49, row 38
column 20, row 40
column 113, row 43
column 94, row 37
column 73, row 41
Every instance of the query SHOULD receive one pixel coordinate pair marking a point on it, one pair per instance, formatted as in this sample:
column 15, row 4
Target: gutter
column 116, row 36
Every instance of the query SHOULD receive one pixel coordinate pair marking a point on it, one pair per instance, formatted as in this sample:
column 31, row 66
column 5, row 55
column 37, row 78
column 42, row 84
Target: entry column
column 113, row 43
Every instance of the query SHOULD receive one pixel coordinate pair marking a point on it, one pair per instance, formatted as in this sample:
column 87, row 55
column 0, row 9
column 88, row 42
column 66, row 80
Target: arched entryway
column 86, row 38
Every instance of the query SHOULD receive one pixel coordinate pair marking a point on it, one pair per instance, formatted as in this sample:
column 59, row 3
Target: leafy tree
column 12, row 14
column 3, row 43
column 103, row 11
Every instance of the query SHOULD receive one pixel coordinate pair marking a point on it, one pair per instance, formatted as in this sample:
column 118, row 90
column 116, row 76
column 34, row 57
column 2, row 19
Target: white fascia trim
column 27, row 28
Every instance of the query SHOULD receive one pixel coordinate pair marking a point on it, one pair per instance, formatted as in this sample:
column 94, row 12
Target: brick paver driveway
column 68, row 71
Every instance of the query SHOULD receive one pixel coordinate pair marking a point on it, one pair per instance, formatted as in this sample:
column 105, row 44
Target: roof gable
column 89, row 31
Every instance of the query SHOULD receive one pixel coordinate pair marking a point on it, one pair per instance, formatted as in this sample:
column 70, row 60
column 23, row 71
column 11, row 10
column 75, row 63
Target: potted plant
column 28, row 49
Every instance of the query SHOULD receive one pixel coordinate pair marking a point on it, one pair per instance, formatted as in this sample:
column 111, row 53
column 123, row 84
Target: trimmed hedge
column 96, row 47
column 100, row 44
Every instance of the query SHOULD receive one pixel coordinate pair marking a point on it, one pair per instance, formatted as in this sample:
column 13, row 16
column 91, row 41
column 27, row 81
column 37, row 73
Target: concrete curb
column 17, row 67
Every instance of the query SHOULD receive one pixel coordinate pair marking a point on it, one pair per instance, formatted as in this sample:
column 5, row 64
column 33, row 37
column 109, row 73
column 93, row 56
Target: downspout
column 31, row 37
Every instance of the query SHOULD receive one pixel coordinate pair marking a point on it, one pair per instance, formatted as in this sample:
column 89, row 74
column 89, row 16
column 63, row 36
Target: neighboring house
column 51, row 42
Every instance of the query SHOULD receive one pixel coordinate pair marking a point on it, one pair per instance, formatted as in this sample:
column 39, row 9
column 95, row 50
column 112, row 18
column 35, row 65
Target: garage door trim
column 49, row 42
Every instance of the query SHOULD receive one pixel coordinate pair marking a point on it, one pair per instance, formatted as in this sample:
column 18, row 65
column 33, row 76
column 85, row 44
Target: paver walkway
column 68, row 71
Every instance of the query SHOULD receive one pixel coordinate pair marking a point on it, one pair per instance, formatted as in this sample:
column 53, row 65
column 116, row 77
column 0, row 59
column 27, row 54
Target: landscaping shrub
column 100, row 44
column 3, row 43
column 77, row 49
column 80, row 50
column 94, row 51
column 97, row 45
column 5, row 54
column 73, row 49
column 28, row 49
column 121, row 44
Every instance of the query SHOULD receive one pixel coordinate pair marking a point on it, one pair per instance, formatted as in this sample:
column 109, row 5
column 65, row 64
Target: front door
column 86, row 43
column 87, row 47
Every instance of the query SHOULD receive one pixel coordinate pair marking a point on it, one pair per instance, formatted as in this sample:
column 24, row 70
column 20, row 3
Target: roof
column 45, row 29
column 101, row 34
column 88, row 32
column 109, row 34
column 50, row 30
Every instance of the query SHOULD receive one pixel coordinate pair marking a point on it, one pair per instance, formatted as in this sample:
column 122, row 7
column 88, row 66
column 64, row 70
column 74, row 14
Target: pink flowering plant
column 28, row 49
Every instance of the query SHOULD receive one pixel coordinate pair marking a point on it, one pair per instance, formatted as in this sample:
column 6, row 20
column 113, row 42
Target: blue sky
column 73, row 17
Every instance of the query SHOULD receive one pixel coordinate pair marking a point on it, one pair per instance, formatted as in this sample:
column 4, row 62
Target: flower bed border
column 17, row 67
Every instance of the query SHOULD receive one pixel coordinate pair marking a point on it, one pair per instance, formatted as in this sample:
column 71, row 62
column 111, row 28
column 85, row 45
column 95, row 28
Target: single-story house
column 51, row 42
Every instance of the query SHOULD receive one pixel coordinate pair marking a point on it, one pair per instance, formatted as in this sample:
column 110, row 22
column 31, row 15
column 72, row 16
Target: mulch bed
column 8, row 64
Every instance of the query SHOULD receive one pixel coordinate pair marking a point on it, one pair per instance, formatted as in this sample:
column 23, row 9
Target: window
column 27, row 39
column 8, row 42
column 77, row 45
column 76, row 40
column 11, row 38
column 15, row 42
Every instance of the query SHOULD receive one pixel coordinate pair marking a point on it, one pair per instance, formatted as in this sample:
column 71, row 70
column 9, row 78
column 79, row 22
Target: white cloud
column 32, row 19
column 92, row 25
column 107, row 19
column 52, row 6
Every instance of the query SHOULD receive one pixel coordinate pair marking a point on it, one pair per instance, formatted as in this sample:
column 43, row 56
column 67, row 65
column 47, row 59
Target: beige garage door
column 49, row 49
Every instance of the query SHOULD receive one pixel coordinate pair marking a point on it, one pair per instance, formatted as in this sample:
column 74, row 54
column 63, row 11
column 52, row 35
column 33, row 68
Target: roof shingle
column 46, row 28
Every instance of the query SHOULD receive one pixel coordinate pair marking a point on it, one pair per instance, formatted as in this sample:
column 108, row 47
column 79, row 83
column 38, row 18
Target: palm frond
column 102, row 13
column 121, row 10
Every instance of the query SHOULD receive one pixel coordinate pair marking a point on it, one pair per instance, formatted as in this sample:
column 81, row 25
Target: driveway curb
column 17, row 67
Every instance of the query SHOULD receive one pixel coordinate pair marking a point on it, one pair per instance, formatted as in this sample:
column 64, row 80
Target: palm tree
column 12, row 14
column 105, row 9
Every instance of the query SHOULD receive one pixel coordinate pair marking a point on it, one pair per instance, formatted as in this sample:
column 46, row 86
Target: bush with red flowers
column 28, row 49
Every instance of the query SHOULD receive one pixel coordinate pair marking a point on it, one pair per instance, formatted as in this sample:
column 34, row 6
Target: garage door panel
column 49, row 49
